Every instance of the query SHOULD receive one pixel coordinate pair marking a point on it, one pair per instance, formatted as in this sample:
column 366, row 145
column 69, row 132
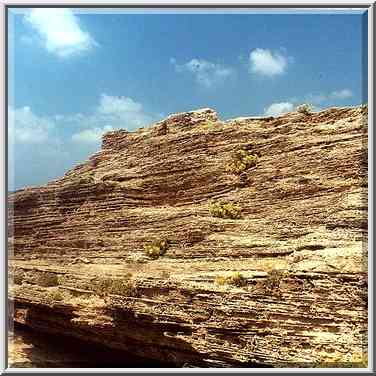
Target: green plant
column 224, row 209
column 236, row 279
column 304, row 108
column 156, row 248
column 241, row 160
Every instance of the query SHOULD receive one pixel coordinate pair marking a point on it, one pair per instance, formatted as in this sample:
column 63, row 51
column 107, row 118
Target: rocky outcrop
column 200, row 242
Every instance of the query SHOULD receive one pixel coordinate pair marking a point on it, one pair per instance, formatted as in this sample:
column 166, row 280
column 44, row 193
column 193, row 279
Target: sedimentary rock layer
column 282, row 283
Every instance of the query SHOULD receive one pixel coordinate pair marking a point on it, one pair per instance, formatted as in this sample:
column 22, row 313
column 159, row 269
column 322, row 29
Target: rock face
column 199, row 242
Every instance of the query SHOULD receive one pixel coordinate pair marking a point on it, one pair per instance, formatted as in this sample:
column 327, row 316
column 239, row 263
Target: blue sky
column 75, row 74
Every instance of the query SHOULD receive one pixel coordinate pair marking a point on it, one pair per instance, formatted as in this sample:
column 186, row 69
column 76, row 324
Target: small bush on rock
column 274, row 279
column 223, row 209
column 236, row 279
column 241, row 160
column 304, row 108
column 156, row 248
column 104, row 286
column 55, row 294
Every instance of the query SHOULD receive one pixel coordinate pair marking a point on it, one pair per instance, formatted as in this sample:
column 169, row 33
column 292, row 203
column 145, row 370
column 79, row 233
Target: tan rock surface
column 300, row 244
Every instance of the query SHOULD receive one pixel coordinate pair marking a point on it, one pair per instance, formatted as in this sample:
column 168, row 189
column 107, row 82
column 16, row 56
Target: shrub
column 220, row 280
column 304, row 108
column 223, row 209
column 236, row 279
column 275, row 278
column 106, row 286
column 156, row 248
column 241, row 160
column 55, row 294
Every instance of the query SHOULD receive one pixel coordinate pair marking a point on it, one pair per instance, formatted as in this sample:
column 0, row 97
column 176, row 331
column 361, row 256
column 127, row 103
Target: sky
column 75, row 74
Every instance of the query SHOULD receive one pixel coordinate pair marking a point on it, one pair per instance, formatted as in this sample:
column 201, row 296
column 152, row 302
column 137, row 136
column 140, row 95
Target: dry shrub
column 224, row 209
column 241, row 160
column 304, row 108
column 156, row 248
column 104, row 286
column 275, row 278
column 236, row 279
column 55, row 294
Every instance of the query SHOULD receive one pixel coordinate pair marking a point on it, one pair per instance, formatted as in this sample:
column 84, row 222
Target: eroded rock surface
column 281, row 283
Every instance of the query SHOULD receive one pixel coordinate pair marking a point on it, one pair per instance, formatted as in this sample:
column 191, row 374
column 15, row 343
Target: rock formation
column 205, row 243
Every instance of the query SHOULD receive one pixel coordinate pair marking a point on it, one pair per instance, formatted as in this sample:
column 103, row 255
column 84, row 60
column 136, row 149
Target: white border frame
column 370, row 7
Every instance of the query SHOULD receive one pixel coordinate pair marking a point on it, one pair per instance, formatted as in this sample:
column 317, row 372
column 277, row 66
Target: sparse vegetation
column 220, row 280
column 241, row 160
column 304, row 108
column 156, row 248
column 104, row 286
column 236, row 279
column 274, row 279
column 338, row 360
column 55, row 294
column 224, row 209
column 209, row 125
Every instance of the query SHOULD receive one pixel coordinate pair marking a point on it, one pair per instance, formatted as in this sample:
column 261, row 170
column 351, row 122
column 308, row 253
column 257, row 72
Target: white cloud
column 110, row 114
column 206, row 73
column 60, row 31
column 316, row 98
column 115, row 113
column 341, row 94
column 267, row 62
column 334, row 95
column 276, row 109
column 42, row 148
column 322, row 98
column 91, row 135
column 316, row 101
column 26, row 127
column 123, row 112
column 114, row 105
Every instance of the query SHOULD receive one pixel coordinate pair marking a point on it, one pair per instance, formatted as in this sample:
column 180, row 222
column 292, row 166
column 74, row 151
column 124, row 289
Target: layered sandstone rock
column 282, row 283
